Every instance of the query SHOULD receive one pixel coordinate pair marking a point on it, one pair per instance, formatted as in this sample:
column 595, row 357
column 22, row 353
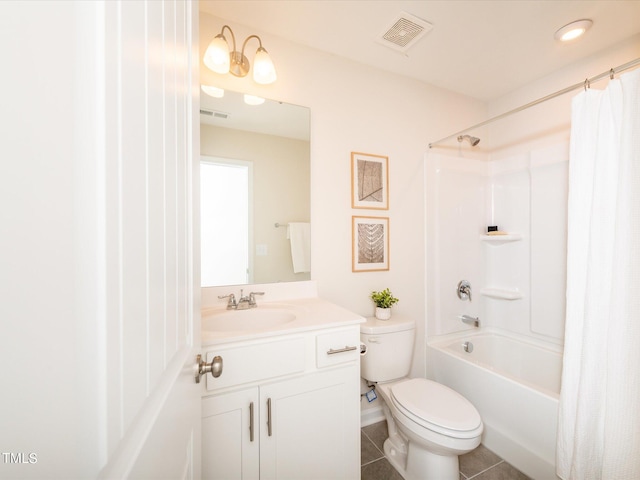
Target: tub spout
column 475, row 321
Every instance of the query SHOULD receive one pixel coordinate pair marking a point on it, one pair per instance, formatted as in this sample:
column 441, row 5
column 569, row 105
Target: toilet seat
column 437, row 408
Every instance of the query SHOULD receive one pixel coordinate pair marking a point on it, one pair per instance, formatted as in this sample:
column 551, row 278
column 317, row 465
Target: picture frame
column 370, row 244
column 369, row 181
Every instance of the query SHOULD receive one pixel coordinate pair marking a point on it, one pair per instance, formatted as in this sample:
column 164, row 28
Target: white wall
column 358, row 108
column 549, row 122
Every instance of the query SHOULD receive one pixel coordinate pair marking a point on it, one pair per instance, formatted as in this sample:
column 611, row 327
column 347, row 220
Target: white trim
column 370, row 416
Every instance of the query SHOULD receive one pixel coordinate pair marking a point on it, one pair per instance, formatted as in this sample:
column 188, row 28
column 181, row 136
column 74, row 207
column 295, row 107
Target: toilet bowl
column 429, row 424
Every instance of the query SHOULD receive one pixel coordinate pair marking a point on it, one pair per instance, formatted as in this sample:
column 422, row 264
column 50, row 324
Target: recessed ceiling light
column 573, row 30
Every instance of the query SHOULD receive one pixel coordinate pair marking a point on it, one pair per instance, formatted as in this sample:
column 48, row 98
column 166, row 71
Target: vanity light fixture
column 213, row 91
column 573, row 30
column 221, row 60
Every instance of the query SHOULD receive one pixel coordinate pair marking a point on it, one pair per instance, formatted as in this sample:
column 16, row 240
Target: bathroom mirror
column 265, row 149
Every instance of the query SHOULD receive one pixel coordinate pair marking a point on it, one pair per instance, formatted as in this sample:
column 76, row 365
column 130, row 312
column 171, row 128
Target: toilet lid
column 436, row 404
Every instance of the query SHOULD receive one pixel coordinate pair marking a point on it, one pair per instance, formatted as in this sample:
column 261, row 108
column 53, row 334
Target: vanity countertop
column 310, row 314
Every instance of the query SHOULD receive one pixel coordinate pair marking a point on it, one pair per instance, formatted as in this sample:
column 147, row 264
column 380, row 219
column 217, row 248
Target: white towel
column 299, row 235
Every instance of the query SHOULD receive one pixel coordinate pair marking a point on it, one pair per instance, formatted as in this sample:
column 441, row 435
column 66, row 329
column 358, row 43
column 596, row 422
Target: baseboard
column 369, row 416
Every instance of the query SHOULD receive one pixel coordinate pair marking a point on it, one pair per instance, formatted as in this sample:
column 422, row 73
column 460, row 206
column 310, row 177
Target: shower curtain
column 599, row 414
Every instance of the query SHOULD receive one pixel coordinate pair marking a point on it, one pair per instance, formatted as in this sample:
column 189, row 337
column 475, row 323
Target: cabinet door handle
column 251, row 422
column 269, row 424
column 331, row 351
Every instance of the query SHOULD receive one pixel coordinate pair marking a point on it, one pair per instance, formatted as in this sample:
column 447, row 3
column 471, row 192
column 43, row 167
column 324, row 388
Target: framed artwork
column 370, row 244
column 369, row 181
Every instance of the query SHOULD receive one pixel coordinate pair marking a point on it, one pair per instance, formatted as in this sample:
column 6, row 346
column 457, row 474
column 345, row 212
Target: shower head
column 472, row 140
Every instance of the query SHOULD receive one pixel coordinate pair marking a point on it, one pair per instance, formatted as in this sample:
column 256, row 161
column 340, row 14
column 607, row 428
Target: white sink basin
column 243, row 320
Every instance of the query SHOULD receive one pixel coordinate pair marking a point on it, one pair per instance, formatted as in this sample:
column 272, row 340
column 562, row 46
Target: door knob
column 215, row 367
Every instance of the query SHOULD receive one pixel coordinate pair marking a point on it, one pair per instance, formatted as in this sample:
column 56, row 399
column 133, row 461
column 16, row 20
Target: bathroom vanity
column 286, row 402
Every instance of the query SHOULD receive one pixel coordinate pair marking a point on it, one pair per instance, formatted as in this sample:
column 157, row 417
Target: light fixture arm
column 247, row 39
column 233, row 37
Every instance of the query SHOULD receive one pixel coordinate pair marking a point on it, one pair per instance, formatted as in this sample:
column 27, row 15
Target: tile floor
column 480, row 464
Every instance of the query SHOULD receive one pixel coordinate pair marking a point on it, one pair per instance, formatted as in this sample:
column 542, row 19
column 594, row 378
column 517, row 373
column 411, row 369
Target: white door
column 99, row 240
column 152, row 158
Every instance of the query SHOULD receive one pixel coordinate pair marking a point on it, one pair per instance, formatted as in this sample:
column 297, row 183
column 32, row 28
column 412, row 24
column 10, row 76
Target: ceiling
column 483, row 49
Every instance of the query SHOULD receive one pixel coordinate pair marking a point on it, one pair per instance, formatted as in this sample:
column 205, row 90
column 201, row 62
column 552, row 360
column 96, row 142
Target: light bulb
column 573, row 30
column 263, row 70
column 217, row 58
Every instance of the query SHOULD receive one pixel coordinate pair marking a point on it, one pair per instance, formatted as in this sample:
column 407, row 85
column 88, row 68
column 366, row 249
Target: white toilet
column 429, row 424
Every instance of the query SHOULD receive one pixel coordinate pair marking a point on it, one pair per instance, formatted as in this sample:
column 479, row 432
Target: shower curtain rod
column 584, row 84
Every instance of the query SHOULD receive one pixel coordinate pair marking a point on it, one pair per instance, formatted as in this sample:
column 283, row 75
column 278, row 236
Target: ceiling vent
column 214, row 113
column 404, row 32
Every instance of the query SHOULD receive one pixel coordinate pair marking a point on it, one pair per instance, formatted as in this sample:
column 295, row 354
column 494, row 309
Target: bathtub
column 514, row 384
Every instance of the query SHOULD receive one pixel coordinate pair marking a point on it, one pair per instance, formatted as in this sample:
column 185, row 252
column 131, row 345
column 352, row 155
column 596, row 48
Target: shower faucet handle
column 464, row 290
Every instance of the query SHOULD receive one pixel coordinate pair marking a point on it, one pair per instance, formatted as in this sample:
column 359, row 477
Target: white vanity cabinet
column 228, row 452
column 295, row 413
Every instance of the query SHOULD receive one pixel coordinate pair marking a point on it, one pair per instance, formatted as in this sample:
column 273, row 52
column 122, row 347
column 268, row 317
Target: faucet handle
column 252, row 298
column 231, row 304
column 464, row 290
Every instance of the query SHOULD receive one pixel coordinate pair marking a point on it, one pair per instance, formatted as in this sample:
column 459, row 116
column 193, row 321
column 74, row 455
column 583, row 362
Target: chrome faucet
column 252, row 299
column 475, row 321
column 243, row 303
column 231, row 304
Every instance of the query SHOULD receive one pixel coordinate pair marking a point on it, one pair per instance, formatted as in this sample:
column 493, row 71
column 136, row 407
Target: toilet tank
column 389, row 348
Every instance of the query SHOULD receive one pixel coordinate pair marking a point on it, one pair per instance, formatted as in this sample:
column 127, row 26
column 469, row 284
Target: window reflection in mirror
column 274, row 139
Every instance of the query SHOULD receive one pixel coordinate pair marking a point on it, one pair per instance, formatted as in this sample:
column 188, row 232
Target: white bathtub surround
column 517, row 283
column 517, row 280
column 513, row 381
column 599, row 416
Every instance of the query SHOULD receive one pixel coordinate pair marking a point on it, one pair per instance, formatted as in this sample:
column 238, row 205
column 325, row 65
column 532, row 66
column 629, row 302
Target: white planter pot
column 383, row 313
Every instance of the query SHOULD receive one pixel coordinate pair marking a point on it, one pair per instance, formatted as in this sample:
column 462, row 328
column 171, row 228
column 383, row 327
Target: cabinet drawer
column 337, row 347
column 251, row 363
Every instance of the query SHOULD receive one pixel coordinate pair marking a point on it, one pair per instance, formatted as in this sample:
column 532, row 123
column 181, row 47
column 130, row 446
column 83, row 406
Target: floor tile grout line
column 372, row 461
column 485, row 470
column 374, row 443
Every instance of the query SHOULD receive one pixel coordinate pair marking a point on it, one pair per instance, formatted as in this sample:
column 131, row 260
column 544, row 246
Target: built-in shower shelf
column 501, row 239
column 501, row 293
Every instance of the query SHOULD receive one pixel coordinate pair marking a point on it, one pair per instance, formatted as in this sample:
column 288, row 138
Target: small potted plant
column 384, row 300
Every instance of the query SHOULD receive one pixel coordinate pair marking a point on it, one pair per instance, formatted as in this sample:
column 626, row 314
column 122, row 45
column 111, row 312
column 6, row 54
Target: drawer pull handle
column 341, row 350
